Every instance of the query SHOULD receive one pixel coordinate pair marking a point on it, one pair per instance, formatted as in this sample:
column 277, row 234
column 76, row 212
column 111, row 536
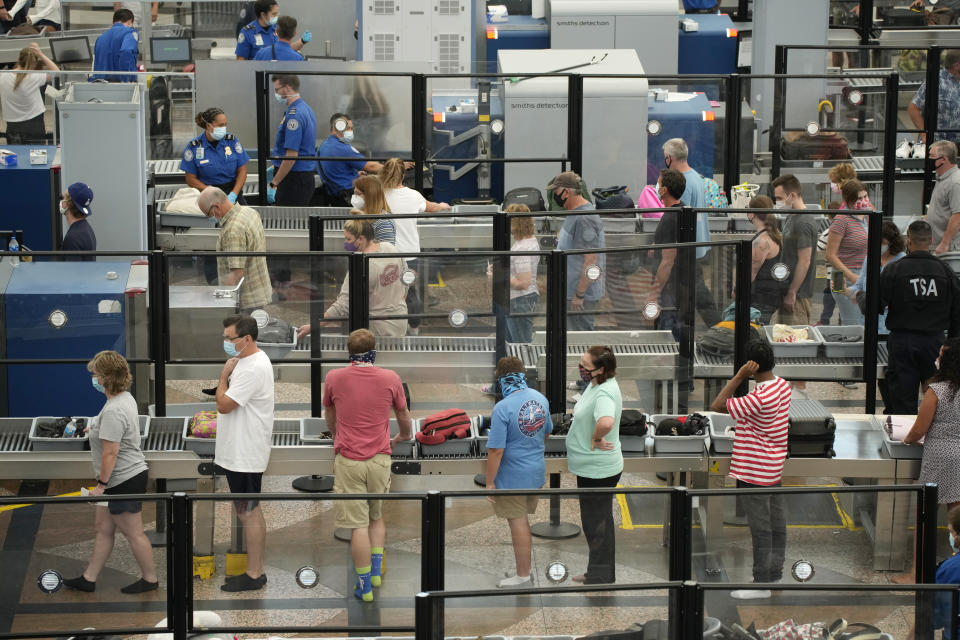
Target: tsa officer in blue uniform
column 262, row 32
column 293, row 180
column 282, row 49
column 216, row 158
column 117, row 49
column 338, row 175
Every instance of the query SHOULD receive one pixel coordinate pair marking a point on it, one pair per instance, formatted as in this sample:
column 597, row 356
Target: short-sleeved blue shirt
column 116, row 49
column 583, row 232
column 947, row 573
column 279, row 51
column 518, row 425
column 695, row 195
column 948, row 105
column 298, row 131
column 254, row 37
column 340, row 173
column 214, row 163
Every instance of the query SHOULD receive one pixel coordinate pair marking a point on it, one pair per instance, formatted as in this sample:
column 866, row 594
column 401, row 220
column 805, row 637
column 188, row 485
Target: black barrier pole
column 159, row 336
column 419, row 93
column 359, row 292
column 741, row 328
column 927, row 535
column 180, row 587
column 556, row 331
column 890, row 145
column 691, row 619
column 433, row 534
column 871, row 320
column 776, row 127
column 731, row 172
column 316, row 314
column 263, row 135
column 681, row 512
column 865, row 24
column 780, row 60
column 930, row 119
column 428, row 613
column 686, row 302
column 501, row 280
column 575, row 122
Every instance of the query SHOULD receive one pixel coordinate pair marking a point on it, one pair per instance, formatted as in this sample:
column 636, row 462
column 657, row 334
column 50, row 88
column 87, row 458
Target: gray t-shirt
column 118, row 422
column 944, row 202
column 800, row 232
column 583, row 232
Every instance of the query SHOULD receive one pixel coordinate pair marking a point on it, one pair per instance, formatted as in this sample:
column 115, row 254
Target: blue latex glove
column 306, row 37
column 270, row 171
column 232, row 197
column 271, row 195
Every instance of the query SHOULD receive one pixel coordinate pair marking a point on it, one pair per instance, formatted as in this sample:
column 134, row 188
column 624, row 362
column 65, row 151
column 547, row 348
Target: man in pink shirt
column 357, row 401
column 759, row 450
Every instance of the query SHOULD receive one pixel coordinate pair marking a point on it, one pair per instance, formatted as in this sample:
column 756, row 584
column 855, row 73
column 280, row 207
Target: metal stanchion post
column 554, row 529
column 433, row 534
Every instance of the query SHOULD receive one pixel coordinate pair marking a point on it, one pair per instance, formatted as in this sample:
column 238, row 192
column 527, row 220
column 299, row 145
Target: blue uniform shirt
column 298, row 131
column 214, row 164
column 279, row 51
column 253, row 38
column 947, row 573
column 518, row 425
column 116, row 49
column 340, row 173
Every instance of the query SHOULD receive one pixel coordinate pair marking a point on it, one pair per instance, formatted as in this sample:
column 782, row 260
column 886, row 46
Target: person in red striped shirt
column 759, row 449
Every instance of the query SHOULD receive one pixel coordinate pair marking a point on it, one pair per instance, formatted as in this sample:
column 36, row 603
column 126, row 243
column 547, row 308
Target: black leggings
column 32, row 131
column 596, row 518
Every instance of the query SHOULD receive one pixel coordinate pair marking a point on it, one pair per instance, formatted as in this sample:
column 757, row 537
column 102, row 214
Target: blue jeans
column 581, row 322
column 521, row 329
column 849, row 310
column 766, row 517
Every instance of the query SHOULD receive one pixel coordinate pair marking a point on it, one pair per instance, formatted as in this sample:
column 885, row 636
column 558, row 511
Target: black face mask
column 560, row 200
column 667, row 162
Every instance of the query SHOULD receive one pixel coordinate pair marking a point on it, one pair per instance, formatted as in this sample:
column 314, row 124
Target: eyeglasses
column 232, row 338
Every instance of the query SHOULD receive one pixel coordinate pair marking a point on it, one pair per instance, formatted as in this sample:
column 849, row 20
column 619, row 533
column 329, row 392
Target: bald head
column 213, row 198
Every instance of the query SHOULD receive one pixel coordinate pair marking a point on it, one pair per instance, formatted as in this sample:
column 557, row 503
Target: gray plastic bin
column 718, row 224
column 795, row 349
column 722, row 443
column 451, row 447
column 896, row 449
column 481, row 440
column 311, row 430
column 841, row 349
column 279, row 350
column 407, row 448
column 200, row 446
column 39, row 443
column 677, row 444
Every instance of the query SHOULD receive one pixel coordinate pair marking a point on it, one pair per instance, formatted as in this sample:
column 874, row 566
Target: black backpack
column 530, row 196
column 633, row 423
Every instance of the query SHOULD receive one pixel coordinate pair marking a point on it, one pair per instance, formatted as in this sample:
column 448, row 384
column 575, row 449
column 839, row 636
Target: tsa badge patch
column 188, row 155
column 292, row 124
column 238, row 147
column 531, row 418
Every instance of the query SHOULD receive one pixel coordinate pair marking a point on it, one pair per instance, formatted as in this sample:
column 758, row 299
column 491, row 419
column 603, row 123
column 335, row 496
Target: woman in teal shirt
column 593, row 455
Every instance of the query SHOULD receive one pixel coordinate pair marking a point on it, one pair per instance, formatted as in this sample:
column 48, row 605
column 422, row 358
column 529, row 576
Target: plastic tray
column 795, row 349
column 406, row 448
column 620, row 224
column 895, row 448
column 718, row 223
column 842, row 349
column 454, row 447
column 742, row 224
column 634, row 444
column 722, row 443
column 677, row 444
column 279, row 350
column 200, row 446
column 479, row 439
column 310, row 430
column 649, row 225
column 952, row 258
column 39, row 443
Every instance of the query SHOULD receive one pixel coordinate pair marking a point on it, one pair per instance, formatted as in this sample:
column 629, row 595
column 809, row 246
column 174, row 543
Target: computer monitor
column 75, row 49
column 165, row 50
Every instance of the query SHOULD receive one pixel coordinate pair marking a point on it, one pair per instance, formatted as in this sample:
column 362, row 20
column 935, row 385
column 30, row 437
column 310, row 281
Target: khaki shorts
column 800, row 314
column 511, row 507
column 360, row 476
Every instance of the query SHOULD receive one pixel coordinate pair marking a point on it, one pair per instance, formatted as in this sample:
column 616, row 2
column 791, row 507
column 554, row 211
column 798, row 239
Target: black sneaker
column 242, row 575
column 80, row 584
column 244, row 582
column 212, row 391
column 140, row 586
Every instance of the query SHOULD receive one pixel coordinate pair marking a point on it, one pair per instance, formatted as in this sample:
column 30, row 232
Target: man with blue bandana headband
column 518, row 426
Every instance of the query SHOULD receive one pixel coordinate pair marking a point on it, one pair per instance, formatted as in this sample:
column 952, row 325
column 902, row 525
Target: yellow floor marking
column 11, row 507
column 440, row 283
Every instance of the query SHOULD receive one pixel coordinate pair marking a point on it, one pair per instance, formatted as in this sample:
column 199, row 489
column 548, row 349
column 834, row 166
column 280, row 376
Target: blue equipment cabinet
column 449, row 116
column 31, row 194
column 61, row 310
column 711, row 49
column 694, row 120
column 518, row 32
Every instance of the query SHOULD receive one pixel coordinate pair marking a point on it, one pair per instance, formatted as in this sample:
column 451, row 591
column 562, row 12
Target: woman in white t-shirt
column 401, row 199
column 524, row 294
column 20, row 97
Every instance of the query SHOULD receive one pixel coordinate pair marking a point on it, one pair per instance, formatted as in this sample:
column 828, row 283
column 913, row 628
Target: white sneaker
column 514, row 581
column 750, row 594
column 919, row 150
column 905, row 149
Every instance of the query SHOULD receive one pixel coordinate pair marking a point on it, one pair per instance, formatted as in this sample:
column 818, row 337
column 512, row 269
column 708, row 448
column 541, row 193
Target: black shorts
column 244, row 482
column 136, row 484
column 40, row 24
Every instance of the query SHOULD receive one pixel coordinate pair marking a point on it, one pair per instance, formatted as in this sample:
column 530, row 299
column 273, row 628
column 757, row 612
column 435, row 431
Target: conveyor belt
column 163, row 193
column 166, row 434
column 13, row 434
column 165, row 168
column 286, row 432
column 821, row 367
column 874, row 164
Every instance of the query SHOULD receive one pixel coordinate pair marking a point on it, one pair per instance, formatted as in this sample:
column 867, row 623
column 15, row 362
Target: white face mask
column 356, row 201
column 779, row 204
column 63, row 208
column 348, row 136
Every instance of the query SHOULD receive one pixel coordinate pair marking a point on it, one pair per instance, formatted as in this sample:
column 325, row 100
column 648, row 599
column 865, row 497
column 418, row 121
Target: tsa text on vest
column 923, row 287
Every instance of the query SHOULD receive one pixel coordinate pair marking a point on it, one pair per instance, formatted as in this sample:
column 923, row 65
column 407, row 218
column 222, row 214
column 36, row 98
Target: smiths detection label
column 538, row 105
column 581, row 23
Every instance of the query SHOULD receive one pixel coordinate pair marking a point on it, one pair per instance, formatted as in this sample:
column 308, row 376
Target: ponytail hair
column 207, row 117
column 28, row 60
column 391, row 176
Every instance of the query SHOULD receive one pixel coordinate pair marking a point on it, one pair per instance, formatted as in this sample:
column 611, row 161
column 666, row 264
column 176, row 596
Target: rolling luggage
column 530, row 196
column 811, row 430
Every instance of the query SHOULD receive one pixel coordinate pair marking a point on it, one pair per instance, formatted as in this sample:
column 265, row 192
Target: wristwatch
column 577, row 294
column 99, row 482
column 273, row 186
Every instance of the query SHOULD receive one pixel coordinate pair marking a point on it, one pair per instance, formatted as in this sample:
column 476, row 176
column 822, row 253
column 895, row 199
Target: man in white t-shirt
column 244, row 437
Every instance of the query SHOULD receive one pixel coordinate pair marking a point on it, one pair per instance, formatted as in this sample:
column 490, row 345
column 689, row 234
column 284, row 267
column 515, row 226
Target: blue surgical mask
column 231, row 349
column 219, row 133
column 350, row 246
column 348, row 136
column 99, row 387
column 279, row 98
column 273, row 19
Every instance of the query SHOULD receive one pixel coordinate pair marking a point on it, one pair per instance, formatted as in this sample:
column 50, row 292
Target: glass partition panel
column 820, row 535
column 307, row 575
column 48, row 546
column 558, row 614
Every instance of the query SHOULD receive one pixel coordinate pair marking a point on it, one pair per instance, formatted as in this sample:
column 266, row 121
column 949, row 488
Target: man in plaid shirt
column 948, row 103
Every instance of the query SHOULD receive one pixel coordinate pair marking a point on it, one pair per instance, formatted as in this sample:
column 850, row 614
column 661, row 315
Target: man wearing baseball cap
column 75, row 207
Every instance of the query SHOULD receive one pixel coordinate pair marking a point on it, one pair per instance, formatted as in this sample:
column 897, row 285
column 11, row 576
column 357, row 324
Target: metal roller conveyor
column 821, row 367
column 644, row 355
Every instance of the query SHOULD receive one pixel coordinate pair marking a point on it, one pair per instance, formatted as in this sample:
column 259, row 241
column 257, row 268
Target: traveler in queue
column 293, row 181
column 595, row 458
column 368, row 199
column 387, row 292
column 216, row 158
column 282, row 49
column 943, row 213
column 117, row 49
column 21, row 99
column 120, row 468
column 922, row 296
column 262, row 31
column 75, row 207
column 847, row 246
column 766, row 292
